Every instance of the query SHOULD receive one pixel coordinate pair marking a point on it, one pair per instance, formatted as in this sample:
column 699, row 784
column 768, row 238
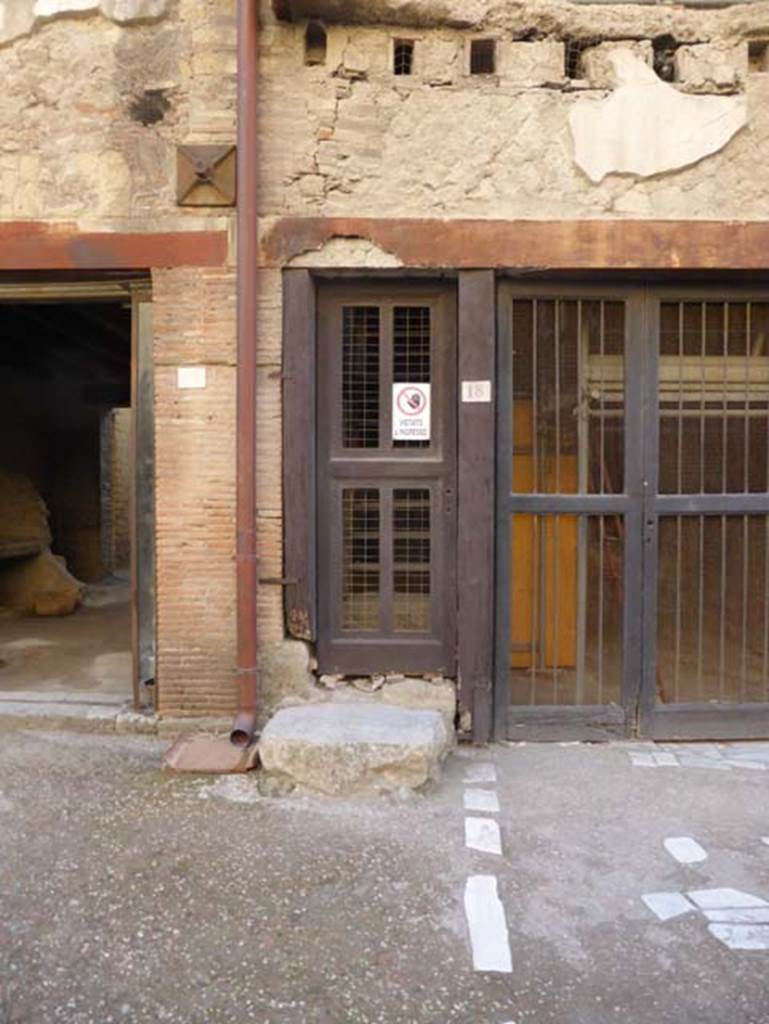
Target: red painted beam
column 36, row 245
column 546, row 245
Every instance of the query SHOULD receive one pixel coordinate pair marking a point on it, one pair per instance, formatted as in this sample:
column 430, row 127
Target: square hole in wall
column 758, row 55
column 403, row 57
column 483, row 56
column 572, row 53
column 664, row 62
column 315, row 44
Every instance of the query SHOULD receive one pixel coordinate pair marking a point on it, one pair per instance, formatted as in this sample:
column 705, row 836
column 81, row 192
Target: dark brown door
column 386, row 479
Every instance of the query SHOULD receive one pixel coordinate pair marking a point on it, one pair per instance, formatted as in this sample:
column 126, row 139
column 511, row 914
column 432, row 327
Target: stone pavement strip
column 130, row 894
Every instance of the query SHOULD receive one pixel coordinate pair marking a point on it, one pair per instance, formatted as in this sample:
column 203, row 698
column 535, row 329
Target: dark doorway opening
column 65, row 492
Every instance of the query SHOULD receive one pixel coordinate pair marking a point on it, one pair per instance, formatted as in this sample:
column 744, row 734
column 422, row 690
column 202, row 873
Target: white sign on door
column 476, row 390
column 411, row 412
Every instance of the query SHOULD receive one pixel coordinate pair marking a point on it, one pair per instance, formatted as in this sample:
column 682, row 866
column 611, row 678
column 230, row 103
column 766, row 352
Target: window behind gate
column 386, row 487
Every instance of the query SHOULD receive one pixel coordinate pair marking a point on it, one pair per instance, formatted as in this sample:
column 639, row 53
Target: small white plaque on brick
column 476, row 390
column 191, row 376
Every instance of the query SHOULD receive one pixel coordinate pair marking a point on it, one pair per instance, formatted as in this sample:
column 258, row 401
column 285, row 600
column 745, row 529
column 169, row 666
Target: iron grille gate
column 633, row 512
column 386, row 506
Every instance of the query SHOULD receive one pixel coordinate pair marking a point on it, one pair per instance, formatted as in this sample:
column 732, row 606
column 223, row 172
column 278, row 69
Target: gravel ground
column 132, row 895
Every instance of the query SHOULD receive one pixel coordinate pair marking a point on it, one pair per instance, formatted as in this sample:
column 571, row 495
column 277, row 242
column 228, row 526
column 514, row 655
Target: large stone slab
column 355, row 748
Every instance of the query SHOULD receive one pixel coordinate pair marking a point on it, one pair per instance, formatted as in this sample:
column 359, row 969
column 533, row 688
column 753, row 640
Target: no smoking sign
column 411, row 412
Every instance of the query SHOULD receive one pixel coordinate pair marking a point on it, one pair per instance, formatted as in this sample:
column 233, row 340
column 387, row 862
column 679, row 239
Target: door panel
column 562, row 504
column 706, row 516
column 387, row 510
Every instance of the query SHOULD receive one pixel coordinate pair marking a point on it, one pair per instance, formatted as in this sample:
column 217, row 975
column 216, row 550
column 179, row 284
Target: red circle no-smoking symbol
column 411, row 401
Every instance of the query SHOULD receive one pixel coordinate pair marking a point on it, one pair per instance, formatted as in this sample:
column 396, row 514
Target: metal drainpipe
column 242, row 732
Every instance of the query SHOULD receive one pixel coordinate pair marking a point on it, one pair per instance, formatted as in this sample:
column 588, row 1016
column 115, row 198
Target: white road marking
column 685, row 849
column 483, row 834
column 642, row 760
column 481, row 771
column 667, row 905
column 744, row 915
column 741, row 936
column 481, row 800
column 765, row 840
column 725, row 899
column 692, row 761
column 488, row 927
column 743, row 762
column 666, row 759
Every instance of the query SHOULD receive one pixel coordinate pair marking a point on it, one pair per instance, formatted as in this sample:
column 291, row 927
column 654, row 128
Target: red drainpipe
column 242, row 732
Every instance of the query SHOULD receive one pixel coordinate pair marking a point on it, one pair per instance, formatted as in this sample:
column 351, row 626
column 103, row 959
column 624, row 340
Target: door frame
column 142, row 501
column 134, row 287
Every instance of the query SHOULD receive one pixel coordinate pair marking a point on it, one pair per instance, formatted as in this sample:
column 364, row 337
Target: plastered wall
column 351, row 138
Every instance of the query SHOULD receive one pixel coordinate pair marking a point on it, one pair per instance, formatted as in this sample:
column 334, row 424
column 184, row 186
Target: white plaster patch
column 481, row 800
column 483, row 834
column 20, row 17
column 481, row 771
column 741, row 936
column 647, row 127
column 685, row 849
column 488, row 927
column 667, row 905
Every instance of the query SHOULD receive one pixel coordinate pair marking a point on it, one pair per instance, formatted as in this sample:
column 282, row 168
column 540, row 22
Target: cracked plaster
column 443, row 144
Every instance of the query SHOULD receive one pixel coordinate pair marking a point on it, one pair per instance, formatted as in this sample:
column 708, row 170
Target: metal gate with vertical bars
column 633, row 513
